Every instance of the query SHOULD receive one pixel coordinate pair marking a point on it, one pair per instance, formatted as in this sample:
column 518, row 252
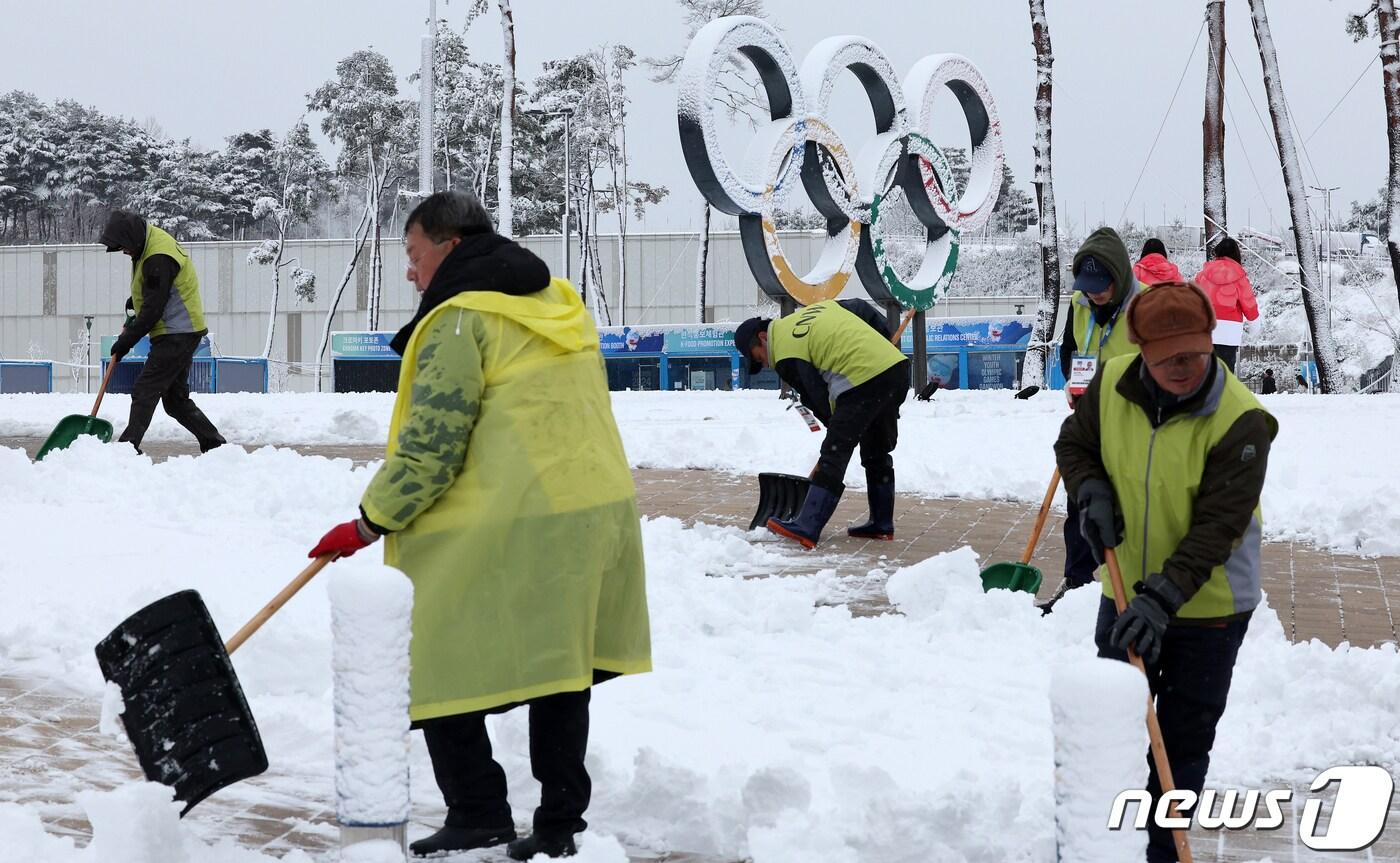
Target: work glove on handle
column 1100, row 522
column 123, row 345
column 1143, row 624
column 344, row 540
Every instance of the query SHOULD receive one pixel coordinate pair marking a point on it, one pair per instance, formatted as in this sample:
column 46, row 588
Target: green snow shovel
column 1022, row 576
column 74, row 426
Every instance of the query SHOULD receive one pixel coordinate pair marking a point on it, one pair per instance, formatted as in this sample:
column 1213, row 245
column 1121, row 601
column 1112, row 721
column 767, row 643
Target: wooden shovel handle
column 904, row 322
column 1154, row 731
column 1040, row 518
column 277, row 602
column 102, row 390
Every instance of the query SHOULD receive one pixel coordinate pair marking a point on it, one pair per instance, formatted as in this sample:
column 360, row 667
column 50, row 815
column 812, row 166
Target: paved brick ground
column 50, row 749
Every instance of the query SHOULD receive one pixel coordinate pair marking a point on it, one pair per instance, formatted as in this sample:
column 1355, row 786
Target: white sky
column 212, row 68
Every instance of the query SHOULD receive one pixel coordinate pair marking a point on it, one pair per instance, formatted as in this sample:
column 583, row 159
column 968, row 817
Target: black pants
column 474, row 786
column 165, row 379
column 1228, row 353
column 1079, row 558
column 867, row 415
column 1191, row 682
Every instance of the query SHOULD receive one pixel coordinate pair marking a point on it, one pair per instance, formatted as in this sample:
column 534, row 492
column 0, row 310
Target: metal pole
column 425, row 106
column 87, row 364
column 568, row 115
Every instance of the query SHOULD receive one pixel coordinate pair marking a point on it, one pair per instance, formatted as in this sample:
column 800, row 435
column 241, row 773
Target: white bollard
column 1100, row 723
column 371, row 618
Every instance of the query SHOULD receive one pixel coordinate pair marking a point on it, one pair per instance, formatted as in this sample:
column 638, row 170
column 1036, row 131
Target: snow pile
column 136, row 823
column 1100, row 736
column 371, row 611
column 776, row 727
column 373, row 851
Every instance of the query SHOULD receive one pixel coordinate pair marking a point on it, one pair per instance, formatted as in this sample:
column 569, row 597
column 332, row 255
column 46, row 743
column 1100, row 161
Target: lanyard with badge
column 1083, row 366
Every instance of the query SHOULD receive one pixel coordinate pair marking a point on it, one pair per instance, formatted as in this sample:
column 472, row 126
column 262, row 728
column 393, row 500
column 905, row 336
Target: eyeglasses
column 1180, row 361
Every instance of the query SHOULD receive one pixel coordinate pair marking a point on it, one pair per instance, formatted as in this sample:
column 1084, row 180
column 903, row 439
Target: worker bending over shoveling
column 837, row 356
column 1166, row 454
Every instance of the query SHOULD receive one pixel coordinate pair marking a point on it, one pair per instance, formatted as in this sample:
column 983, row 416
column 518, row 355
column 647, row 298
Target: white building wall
column 237, row 294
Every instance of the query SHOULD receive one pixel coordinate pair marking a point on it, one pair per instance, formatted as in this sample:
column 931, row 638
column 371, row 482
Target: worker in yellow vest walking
column 1166, row 453
column 165, row 299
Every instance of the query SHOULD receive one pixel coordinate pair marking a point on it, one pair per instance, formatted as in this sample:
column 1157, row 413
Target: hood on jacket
column 125, row 232
column 1107, row 246
column 1154, row 269
column 483, row 261
column 555, row 313
column 1221, row 272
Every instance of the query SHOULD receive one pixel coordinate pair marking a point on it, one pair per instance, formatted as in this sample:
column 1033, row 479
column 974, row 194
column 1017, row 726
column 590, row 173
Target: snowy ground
column 775, row 727
column 1330, row 473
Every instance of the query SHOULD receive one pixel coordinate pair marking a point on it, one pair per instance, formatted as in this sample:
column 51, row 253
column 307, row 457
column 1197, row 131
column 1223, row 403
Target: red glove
column 343, row 540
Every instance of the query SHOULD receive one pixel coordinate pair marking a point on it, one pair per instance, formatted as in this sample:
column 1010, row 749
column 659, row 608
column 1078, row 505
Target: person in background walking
column 1224, row 280
column 165, row 299
column 1269, row 386
column 1153, row 266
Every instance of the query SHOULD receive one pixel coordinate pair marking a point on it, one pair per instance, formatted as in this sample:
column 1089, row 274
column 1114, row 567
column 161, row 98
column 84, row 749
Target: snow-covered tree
column 363, row 113
column 1314, row 303
column 1047, row 313
column 1213, row 127
column 299, row 174
column 1387, row 26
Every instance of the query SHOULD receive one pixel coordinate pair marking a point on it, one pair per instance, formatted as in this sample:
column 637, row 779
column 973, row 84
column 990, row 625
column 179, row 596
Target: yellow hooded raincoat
column 513, row 506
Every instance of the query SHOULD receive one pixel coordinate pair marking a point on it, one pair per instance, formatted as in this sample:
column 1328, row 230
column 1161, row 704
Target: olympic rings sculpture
column 798, row 144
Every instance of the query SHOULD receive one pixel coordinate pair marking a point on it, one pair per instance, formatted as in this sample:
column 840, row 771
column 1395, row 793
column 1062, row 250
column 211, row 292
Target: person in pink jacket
column 1224, row 280
column 1153, row 267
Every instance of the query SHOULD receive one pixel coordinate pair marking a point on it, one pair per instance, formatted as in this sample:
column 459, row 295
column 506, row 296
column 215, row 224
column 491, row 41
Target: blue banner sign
column 362, row 346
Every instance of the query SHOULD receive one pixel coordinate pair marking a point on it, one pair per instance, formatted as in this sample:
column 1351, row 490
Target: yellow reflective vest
column 184, row 311
column 513, row 506
column 1155, row 473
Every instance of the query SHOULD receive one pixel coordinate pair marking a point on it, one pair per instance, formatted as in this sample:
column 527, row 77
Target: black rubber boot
column 548, row 844
column 881, row 523
column 450, row 840
column 816, row 512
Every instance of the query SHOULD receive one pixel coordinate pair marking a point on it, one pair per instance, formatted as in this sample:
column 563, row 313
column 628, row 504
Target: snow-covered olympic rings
column 798, row 144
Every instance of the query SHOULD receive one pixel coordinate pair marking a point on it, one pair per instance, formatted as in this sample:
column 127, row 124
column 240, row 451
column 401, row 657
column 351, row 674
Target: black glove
column 123, row 345
column 1100, row 522
column 1143, row 624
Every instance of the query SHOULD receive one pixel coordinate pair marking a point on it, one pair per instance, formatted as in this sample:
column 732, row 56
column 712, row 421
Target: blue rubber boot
column 881, row 523
column 816, row 512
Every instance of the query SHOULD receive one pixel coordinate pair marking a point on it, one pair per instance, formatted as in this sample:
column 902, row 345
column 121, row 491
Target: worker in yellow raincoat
column 506, row 498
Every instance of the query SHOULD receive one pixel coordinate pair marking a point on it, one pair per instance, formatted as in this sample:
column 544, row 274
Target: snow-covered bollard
column 371, row 612
column 1100, row 723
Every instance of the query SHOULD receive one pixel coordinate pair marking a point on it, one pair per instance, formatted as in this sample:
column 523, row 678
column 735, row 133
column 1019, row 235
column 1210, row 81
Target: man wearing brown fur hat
column 1166, row 453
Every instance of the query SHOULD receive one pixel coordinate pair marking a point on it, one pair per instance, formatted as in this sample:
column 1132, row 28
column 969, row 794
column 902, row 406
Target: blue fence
column 208, row 374
column 26, row 376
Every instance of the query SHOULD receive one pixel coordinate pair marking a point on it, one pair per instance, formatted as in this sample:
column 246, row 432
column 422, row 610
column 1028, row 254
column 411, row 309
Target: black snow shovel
column 780, row 496
column 184, row 711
